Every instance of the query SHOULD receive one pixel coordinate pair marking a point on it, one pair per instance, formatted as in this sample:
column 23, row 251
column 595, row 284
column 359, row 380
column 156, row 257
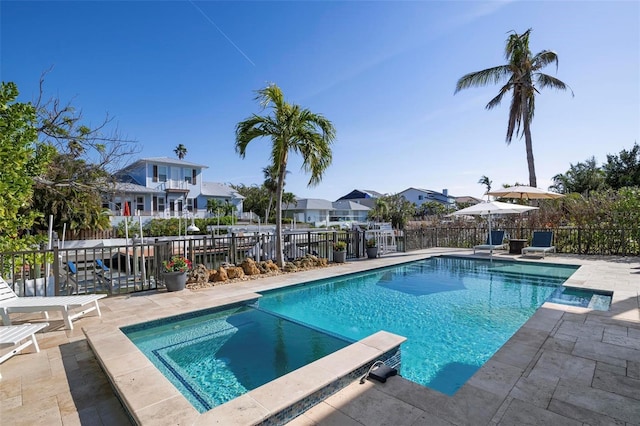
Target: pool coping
column 152, row 399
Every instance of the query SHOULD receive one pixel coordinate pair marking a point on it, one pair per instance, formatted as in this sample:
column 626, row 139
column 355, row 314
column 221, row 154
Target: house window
column 190, row 204
column 160, row 204
column 420, row 197
column 190, row 176
column 162, row 173
column 140, row 203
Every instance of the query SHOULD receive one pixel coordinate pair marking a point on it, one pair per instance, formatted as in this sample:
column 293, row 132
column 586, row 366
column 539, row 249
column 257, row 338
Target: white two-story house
column 167, row 187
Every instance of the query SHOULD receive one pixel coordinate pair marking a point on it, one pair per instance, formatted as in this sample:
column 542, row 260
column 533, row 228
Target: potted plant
column 372, row 248
column 339, row 252
column 174, row 272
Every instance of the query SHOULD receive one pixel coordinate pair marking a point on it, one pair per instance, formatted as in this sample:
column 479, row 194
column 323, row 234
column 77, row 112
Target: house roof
column 217, row 189
column 133, row 188
column 349, row 205
column 468, row 199
column 165, row 160
column 361, row 193
column 309, row 204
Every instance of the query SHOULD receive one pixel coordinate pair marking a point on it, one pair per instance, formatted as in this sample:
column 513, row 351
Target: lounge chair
column 13, row 335
column 10, row 303
column 114, row 281
column 494, row 241
column 540, row 243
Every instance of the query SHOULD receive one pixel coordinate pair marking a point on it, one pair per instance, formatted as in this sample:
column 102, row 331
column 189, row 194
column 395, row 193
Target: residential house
column 166, row 187
column 365, row 197
column 420, row 196
column 321, row 212
column 467, row 200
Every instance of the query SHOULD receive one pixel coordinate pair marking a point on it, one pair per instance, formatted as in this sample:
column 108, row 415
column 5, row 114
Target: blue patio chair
column 540, row 243
column 495, row 241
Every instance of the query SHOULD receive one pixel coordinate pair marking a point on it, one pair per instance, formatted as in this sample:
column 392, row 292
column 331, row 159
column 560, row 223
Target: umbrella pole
column 490, row 241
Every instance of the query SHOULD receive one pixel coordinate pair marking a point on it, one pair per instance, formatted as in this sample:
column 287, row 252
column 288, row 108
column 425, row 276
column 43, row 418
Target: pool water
column 215, row 356
column 455, row 313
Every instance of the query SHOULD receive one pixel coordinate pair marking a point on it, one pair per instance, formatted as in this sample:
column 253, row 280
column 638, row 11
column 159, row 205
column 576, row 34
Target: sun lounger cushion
column 540, row 243
column 494, row 242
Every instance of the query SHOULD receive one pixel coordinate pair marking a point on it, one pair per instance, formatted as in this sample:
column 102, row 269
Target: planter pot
column 339, row 256
column 175, row 281
column 372, row 252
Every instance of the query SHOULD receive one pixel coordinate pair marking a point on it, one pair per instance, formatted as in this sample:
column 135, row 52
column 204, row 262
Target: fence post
column 309, row 242
column 232, row 246
column 579, row 242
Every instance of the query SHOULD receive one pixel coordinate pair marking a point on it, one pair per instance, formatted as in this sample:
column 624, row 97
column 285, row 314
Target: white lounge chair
column 10, row 303
column 12, row 335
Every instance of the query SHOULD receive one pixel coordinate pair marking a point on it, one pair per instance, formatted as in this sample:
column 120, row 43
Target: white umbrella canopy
column 491, row 208
column 524, row 192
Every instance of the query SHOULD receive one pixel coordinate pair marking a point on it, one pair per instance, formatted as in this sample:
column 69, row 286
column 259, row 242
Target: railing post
column 232, row 255
column 56, row 271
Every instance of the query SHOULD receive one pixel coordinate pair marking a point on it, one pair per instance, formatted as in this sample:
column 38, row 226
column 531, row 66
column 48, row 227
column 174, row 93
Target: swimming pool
column 456, row 313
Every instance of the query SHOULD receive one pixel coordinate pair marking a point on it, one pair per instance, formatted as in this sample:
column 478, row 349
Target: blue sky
column 383, row 72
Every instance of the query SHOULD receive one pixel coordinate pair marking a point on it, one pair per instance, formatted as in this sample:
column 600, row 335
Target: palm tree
column 522, row 74
column 271, row 185
column 484, row 180
column 181, row 151
column 290, row 128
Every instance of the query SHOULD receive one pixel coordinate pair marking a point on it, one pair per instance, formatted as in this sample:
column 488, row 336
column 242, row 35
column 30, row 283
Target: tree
column 291, row 129
column 180, row 151
column 484, row 180
column 71, row 187
column 24, row 158
column 623, row 169
column 380, row 211
column 524, row 81
column 581, row 178
column 393, row 208
column 271, row 185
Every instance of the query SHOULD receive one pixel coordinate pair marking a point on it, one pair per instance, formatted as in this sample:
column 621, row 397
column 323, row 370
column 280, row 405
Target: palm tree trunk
column 266, row 214
column 280, row 190
column 529, row 144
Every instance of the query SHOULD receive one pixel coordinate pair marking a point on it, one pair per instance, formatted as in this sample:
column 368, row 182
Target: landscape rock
column 249, row 267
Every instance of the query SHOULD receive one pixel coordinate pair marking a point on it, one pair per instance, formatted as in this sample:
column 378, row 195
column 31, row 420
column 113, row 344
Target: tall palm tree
column 484, row 180
column 522, row 74
column 271, row 185
column 181, row 151
column 291, row 129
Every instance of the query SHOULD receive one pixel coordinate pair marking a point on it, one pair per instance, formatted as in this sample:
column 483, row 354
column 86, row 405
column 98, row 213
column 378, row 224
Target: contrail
column 221, row 32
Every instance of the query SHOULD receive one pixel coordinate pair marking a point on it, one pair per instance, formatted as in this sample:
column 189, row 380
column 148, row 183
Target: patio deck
column 565, row 366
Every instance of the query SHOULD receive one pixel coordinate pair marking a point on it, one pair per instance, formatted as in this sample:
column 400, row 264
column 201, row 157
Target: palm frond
column 482, row 78
column 544, row 58
column 545, row 80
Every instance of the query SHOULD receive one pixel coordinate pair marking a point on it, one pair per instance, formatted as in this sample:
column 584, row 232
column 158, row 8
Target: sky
column 383, row 72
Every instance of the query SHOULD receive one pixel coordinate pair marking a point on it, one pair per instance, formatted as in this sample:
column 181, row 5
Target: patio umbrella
column 492, row 208
column 524, row 192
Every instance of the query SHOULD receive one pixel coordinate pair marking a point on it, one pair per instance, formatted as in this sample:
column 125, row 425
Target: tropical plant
column 339, row 246
column 380, row 211
column 24, row 160
column 176, row 264
column 623, row 169
column 582, row 178
column 291, row 129
column 180, row 151
column 484, row 180
column 524, row 81
column 372, row 242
